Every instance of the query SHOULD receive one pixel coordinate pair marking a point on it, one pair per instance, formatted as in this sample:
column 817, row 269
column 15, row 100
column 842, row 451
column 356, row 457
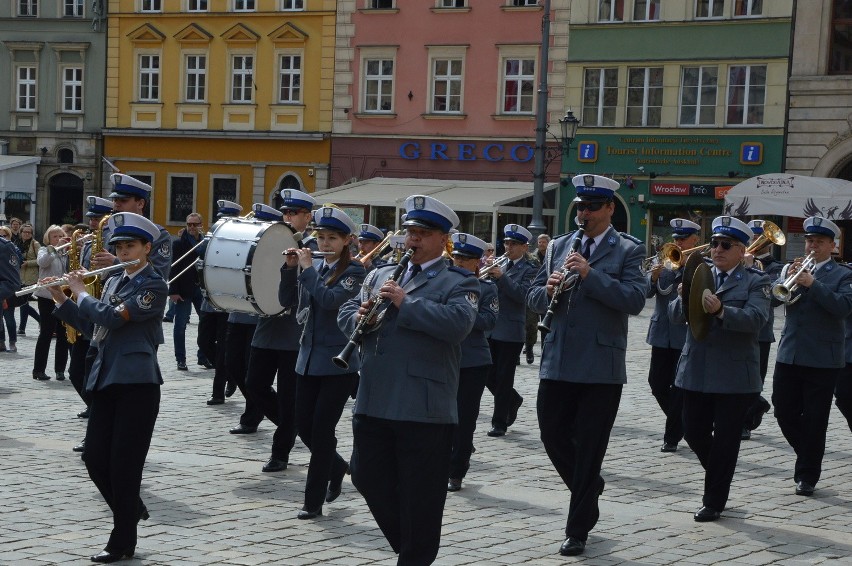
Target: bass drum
column 242, row 264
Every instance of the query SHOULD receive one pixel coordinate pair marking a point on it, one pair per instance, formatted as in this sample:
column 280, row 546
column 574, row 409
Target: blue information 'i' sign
column 751, row 153
column 587, row 152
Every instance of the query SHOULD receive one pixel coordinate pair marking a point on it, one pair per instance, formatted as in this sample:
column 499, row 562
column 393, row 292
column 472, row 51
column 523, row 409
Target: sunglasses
column 726, row 244
column 591, row 206
column 193, row 223
column 292, row 211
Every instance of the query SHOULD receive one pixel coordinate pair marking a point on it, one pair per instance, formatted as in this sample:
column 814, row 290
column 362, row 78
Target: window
column 518, row 86
column 28, row 8
column 242, row 75
column 196, row 78
column 698, row 96
column 708, row 8
column 149, row 78
column 452, row 3
column 646, row 10
column 288, row 182
column 446, row 85
column 26, row 89
column 243, row 5
column 292, row 4
column 611, row 10
column 73, row 9
column 65, row 155
column 196, row 6
column 290, row 79
column 600, row 97
column 224, row 188
column 72, row 89
column 380, row 4
column 524, row 2
column 644, row 96
column 181, row 198
column 152, row 6
column 748, row 7
column 378, row 85
column 840, row 60
column 746, row 95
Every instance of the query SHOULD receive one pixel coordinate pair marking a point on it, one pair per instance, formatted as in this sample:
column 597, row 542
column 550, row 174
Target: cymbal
column 693, row 261
column 702, row 285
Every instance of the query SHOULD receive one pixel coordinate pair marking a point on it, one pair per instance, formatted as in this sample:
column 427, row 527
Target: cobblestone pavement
column 211, row 504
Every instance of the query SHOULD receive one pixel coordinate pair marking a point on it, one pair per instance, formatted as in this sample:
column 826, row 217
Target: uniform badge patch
column 495, row 305
column 419, row 203
column 766, row 291
column 430, row 274
column 13, row 260
column 739, row 276
column 165, row 249
column 348, row 283
column 145, row 300
column 119, row 220
column 611, row 240
column 589, row 180
column 472, row 299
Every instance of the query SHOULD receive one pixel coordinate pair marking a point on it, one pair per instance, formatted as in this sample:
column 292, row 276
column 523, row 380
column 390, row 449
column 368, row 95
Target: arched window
column 65, row 155
column 288, row 182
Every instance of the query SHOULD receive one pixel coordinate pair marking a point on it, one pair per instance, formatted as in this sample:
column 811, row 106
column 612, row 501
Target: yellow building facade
column 212, row 99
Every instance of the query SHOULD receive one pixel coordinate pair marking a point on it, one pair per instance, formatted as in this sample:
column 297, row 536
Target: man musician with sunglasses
column 583, row 356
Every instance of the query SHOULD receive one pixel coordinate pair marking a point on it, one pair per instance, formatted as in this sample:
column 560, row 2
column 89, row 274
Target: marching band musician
column 296, row 207
column 811, row 354
column 666, row 338
column 125, row 378
column 475, row 357
column 721, row 374
column 507, row 339
column 583, row 366
column 368, row 238
column 406, row 408
column 322, row 388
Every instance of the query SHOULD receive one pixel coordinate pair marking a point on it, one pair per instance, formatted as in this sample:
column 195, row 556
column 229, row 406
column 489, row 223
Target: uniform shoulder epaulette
column 844, row 264
column 488, row 281
column 753, row 269
column 633, row 239
column 566, row 234
column 460, row 270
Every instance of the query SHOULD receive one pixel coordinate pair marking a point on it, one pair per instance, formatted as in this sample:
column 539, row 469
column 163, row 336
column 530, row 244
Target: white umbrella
column 783, row 194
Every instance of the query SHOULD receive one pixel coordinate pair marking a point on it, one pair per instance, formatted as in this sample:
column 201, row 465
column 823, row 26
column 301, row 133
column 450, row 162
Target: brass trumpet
column 784, row 291
column 673, row 257
column 500, row 262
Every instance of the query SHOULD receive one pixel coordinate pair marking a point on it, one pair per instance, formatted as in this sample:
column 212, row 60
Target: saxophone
column 71, row 333
column 96, row 286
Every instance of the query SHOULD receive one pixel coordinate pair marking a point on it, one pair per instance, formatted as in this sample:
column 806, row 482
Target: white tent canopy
column 783, row 194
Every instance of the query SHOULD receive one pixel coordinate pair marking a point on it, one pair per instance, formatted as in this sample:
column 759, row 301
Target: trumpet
column 64, row 280
column 673, row 257
column 570, row 281
column 500, row 262
column 784, row 291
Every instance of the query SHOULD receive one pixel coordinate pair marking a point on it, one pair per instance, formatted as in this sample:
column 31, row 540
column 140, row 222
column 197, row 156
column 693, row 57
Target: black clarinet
column 569, row 281
column 341, row 360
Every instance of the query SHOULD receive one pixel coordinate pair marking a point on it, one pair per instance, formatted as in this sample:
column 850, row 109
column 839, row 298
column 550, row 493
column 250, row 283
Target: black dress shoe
column 306, row 514
column 230, row 389
column 108, row 556
column 706, row 514
column 804, row 488
column 745, row 435
column 454, row 484
column 83, row 414
column 572, row 547
column 206, row 365
column 167, row 319
column 182, row 366
column 215, row 400
column 275, row 465
column 335, row 486
column 143, row 514
column 80, row 447
column 243, row 429
column 60, row 376
column 530, row 357
column 513, row 411
column 40, row 375
column 669, row 447
column 497, row 431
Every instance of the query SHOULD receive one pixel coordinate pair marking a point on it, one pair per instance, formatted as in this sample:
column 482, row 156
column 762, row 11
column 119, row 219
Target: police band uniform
column 811, row 354
column 583, row 360
column 667, row 338
column 406, row 408
column 721, row 375
column 369, row 237
column 294, row 203
column 475, row 360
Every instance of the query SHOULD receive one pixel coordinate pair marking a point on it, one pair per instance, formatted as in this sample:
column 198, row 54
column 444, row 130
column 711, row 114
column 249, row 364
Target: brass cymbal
column 702, row 284
column 693, row 261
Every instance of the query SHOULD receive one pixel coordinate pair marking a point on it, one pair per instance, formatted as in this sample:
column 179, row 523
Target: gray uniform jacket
column 814, row 331
column 475, row 350
column 662, row 332
column 10, row 270
column 128, row 329
column 849, row 339
column 588, row 343
column 512, row 290
column 317, row 308
column 728, row 360
column 410, row 363
column 772, row 268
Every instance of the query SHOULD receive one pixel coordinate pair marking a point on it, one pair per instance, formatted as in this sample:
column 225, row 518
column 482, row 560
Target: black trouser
column 118, row 436
column 471, row 385
column 661, row 378
column 212, row 341
column 501, row 380
column 238, row 346
column 759, row 404
column 530, row 331
column 279, row 404
column 77, row 368
column 843, row 394
column 802, row 398
column 576, row 420
column 713, row 425
column 400, row 467
column 47, row 326
column 319, row 404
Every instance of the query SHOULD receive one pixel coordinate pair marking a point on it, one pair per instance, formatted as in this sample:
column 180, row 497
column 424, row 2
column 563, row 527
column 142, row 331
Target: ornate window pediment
column 146, row 33
column 193, row 33
column 288, row 34
column 240, row 35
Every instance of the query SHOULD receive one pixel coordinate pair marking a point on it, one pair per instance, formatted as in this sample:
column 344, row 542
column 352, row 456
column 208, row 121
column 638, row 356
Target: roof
column 12, row 161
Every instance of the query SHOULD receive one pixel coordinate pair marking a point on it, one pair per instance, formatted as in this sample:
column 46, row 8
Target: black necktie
column 415, row 269
column 124, row 281
column 510, row 265
column 587, row 248
column 323, row 270
column 722, row 276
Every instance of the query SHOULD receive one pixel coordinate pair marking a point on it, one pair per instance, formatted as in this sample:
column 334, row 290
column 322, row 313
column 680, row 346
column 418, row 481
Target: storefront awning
column 782, row 194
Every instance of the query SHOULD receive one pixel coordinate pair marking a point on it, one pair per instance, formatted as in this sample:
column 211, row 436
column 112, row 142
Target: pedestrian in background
column 183, row 288
column 51, row 263
column 29, row 247
column 10, row 281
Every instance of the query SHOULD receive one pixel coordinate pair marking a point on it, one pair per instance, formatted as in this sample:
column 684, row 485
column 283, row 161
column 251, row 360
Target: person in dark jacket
column 183, row 287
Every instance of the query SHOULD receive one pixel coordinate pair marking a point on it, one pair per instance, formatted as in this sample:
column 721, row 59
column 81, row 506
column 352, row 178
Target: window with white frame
column 709, row 8
column 646, row 11
column 698, row 87
column 600, row 97
column 746, row 8
column 196, row 78
column 152, row 6
column 452, row 3
column 378, row 85
column 149, row 78
column 25, row 89
column 73, row 9
column 72, row 89
column 289, row 78
column 242, row 78
column 518, row 85
column 746, row 95
column 27, row 8
column 243, row 5
column 610, row 10
column 292, row 5
column 380, row 4
column 644, row 96
column 523, row 3
column 447, row 80
column 196, row 6
column 181, row 197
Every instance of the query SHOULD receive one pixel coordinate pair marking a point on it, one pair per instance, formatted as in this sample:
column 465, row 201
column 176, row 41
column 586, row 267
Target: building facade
column 677, row 100
column 210, row 99
column 52, row 61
